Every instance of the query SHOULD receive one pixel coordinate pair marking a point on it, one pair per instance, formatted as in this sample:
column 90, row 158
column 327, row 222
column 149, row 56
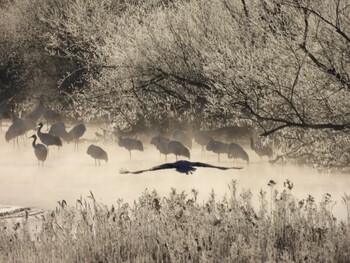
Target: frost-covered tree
column 282, row 66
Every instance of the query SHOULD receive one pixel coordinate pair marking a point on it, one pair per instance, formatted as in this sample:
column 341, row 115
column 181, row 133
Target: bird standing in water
column 75, row 133
column 47, row 138
column 177, row 148
column 261, row 149
column 217, row 147
column 180, row 166
column 130, row 144
column 97, row 153
column 40, row 150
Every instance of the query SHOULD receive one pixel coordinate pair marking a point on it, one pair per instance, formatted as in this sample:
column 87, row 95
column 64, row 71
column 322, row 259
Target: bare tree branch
column 287, row 123
column 331, row 71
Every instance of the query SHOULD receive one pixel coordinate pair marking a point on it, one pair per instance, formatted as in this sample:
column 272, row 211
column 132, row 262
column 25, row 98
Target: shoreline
column 17, row 212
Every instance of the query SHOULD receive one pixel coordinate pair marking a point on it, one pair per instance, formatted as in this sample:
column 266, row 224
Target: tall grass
column 178, row 228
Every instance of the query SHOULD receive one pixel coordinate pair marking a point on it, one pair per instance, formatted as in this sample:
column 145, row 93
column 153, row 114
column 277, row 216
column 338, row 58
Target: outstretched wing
column 124, row 171
column 199, row 164
column 159, row 167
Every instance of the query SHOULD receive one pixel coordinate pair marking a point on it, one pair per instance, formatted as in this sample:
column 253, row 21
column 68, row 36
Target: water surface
column 69, row 174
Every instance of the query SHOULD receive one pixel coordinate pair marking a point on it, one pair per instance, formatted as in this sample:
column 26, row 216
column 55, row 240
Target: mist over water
column 69, row 174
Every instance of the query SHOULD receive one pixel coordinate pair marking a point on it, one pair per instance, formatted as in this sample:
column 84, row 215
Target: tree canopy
column 282, row 66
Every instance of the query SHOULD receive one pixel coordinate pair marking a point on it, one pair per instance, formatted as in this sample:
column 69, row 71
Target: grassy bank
column 178, row 228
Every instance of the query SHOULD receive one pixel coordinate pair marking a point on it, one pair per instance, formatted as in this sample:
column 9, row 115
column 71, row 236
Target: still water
column 70, row 174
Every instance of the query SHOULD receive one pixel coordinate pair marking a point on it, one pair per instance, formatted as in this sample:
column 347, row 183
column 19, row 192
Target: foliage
column 178, row 228
column 282, row 66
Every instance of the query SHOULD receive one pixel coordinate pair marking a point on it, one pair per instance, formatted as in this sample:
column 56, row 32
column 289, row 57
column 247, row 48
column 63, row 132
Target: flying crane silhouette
column 180, row 166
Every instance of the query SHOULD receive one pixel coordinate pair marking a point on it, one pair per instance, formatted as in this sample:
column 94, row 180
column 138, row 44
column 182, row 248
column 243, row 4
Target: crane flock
column 179, row 143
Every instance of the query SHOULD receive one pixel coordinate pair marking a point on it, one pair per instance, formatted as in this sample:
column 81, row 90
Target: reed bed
column 179, row 228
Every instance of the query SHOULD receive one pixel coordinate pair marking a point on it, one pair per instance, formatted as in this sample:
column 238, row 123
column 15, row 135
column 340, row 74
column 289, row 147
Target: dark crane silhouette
column 36, row 113
column 183, row 137
column 40, row 150
column 178, row 149
column 75, row 133
column 202, row 139
column 130, row 144
column 51, row 116
column 48, row 139
column 261, row 149
column 97, row 153
column 157, row 139
column 217, row 147
column 59, row 129
column 29, row 125
column 181, row 166
column 16, row 129
column 161, row 143
column 235, row 151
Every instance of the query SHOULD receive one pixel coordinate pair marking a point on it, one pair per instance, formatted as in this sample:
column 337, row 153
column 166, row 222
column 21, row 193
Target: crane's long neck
column 14, row 117
column 34, row 141
column 39, row 130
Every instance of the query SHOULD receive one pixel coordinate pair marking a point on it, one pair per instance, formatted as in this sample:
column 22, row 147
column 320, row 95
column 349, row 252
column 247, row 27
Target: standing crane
column 178, row 149
column 51, row 116
column 40, row 150
column 161, row 143
column 202, row 139
column 16, row 129
column 217, row 147
column 261, row 149
column 97, row 153
column 36, row 114
column 75, row 133
column 59, row 129
column 47, row 138
column 183, row 137
column 130, row 144
column 235, row 151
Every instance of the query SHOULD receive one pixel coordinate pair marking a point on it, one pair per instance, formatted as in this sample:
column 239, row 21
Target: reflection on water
column 69, row 174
